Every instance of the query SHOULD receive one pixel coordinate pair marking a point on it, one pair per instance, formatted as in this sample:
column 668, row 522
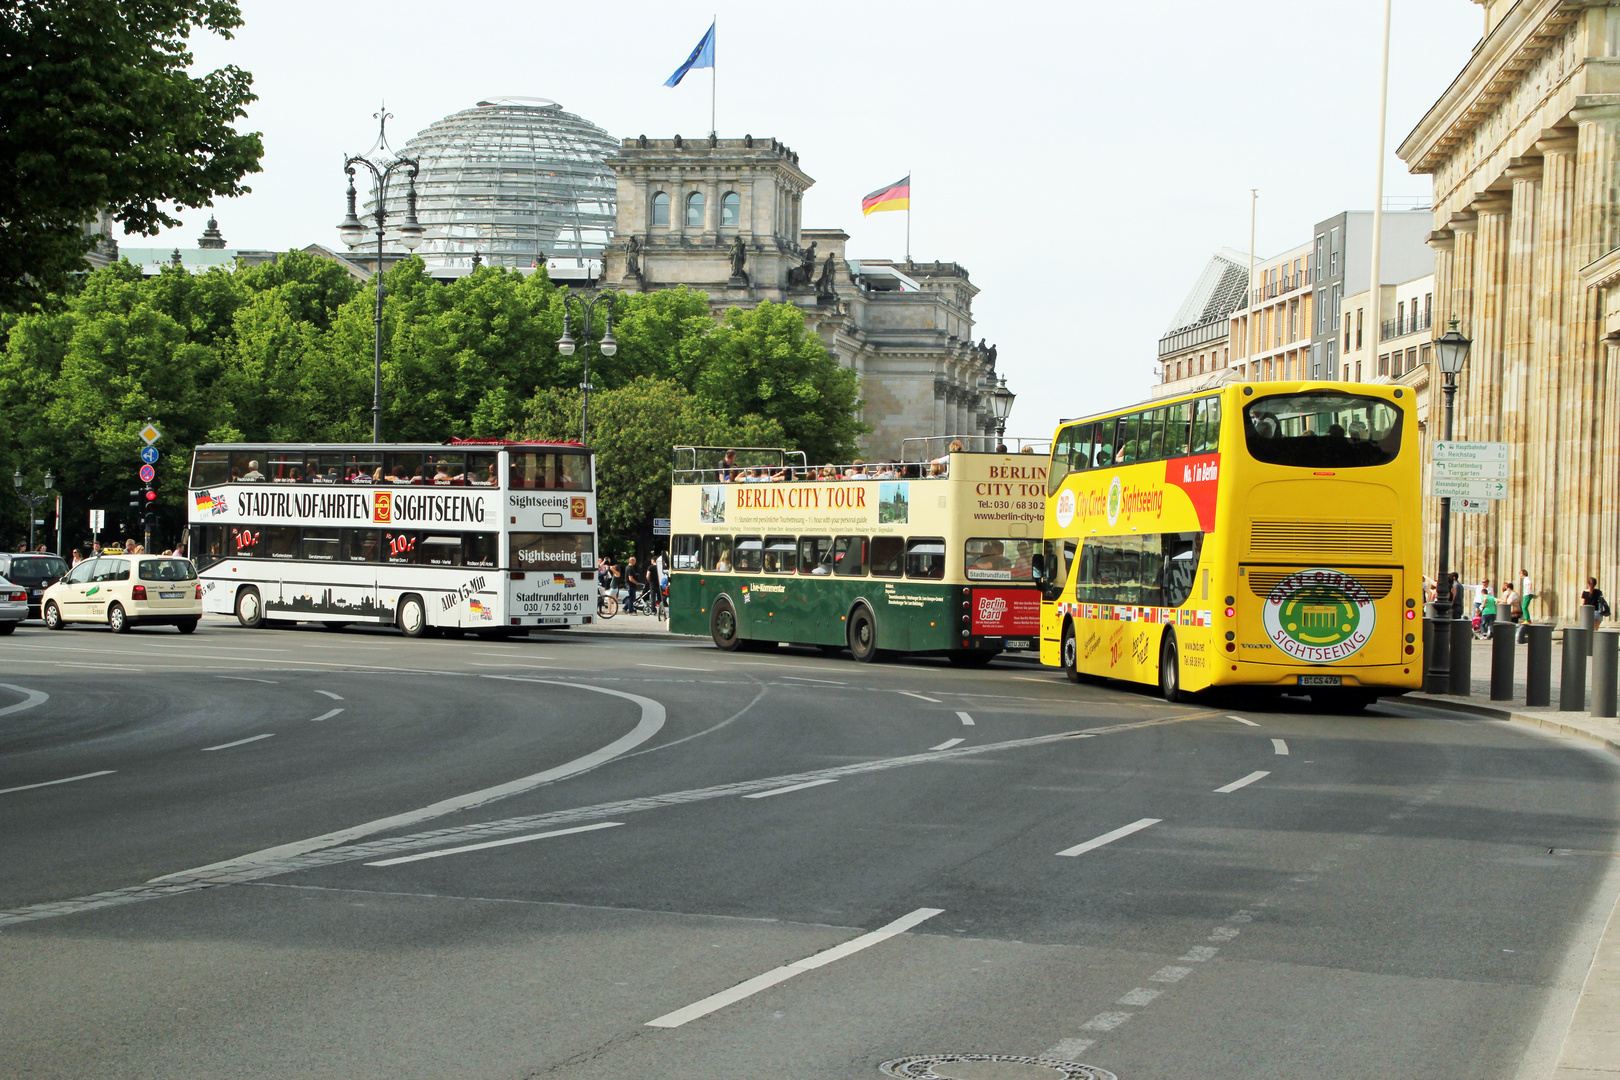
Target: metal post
column 1437, row 679
column 1502, row 661
column 1538, row 665
column 1462, row 657
column 1605, row 658
column 1588, row 622
column 1572, row 681
column 376, row 363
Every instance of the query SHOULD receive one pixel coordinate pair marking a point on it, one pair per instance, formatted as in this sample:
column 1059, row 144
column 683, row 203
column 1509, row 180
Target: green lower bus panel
column 911, row 616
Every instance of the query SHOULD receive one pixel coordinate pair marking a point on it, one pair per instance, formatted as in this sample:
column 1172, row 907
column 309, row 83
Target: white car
column 122, row 591
column 13, row 606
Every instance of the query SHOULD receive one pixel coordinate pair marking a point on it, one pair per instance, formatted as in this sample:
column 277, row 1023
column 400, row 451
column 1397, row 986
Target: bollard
column 1572, row 680
column 1587, row 617
column 1538, row 665
column 1462, row 657
column 1436, row 650
column 1502, row 662
column 1605, row 659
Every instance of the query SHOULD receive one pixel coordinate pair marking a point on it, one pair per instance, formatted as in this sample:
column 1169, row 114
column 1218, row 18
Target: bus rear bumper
column 1384, row 679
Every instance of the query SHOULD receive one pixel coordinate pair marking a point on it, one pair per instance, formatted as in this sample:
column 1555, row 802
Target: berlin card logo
column 1116, row 499
column 576, row 508
column 1319, row 616
column 382, row 507
column 1065, row 508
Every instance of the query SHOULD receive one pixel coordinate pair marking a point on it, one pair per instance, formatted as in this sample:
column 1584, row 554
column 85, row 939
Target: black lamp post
column 33, row 501
column 382, row 163
column 1001, row 403
column 566, row 346
column 1451, row 353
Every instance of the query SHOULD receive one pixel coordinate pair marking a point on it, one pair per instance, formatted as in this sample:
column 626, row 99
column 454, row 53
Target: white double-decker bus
column 484, row 536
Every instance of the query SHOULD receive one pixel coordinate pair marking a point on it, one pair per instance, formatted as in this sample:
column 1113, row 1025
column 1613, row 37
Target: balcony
column 1400, row 327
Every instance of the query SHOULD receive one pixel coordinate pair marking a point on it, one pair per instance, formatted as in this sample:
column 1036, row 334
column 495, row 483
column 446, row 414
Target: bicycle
column 607, row 605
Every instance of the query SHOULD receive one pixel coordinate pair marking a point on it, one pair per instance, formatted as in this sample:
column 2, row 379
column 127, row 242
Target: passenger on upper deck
column 728, row 467
column 253, row 472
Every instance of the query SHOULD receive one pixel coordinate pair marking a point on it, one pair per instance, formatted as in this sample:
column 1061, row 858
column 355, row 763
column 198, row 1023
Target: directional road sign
column 1471, row 506
column 1467, row 489
column 150, row 434
column 1471, row 451
column 149, row 454
column 147, row 472
column 1473, row 470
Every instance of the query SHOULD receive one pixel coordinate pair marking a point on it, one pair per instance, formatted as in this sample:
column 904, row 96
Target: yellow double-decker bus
column 1257, row 535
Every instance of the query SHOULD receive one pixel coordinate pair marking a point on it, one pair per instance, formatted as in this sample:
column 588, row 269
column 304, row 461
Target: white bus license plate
column 172, row 595
column 1321, row 680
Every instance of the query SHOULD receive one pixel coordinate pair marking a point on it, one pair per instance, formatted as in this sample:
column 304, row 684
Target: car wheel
column 186, row 626
column 412, row 618
column 723, row 626
column 1170, row 671
column 117, row 619
column 6, row 628
column 249, row 608
column 53, row 617
column 863, row 636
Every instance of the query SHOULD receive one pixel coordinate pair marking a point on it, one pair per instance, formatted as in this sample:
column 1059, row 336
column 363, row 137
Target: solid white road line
column 496, row 843
column 1110, row 837
column 244, row 678
column 829, row 682
column 1240, row 720
column 790, row 787
column 52, row 783
column 1280, row 747
column 325, row 716
column 328, row 693
column 240, row 742
column 923, row 697
column 967, row 721
column 946, row 745
column 676, row 667
column 1258, row 774
column 742, row 990
column 34, row 697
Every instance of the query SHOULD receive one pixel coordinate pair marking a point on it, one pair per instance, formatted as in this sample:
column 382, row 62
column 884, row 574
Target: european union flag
column 702, row 57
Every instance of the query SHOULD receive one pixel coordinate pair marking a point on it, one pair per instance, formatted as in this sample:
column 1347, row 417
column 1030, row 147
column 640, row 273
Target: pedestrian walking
column 1593, row 597
column 1487, row 614
column 1512, row 604
column 635, row 579
column 1457, row 602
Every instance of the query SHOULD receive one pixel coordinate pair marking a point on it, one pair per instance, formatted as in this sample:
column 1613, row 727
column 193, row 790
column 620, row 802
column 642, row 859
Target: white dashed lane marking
column 324, row 716
column 1110, row 837
column 920, row 697
column 328, row 693
column 1258, row 774
column 496, row 843
column 790, row 787
column 1280, row 747
column 245, row 678
column 946, row 745
column 1240, row 720
column 53, row 783
column 967, row 721
column 240, row 742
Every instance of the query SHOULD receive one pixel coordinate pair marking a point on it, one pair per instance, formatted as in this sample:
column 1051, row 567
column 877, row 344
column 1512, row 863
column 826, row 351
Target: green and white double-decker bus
column 925, row 555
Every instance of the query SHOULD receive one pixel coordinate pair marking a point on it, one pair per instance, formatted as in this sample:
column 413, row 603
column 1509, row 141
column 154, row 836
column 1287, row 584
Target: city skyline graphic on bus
column 329, row 603
column 894, row 502
column 712, row 508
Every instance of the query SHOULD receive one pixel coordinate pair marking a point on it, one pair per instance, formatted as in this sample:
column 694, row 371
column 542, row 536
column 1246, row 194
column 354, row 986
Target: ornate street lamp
column 1001, row 403
column 382, row 162
column 566, row 345
column 33, row 501
column 1451, row 353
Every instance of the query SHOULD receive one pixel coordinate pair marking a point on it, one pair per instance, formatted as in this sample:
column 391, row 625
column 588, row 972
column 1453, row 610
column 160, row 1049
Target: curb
column 1528, row 719
column 608, row 635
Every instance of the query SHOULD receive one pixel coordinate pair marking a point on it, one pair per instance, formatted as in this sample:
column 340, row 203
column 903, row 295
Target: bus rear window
column 1322, row 430
column 533, row 469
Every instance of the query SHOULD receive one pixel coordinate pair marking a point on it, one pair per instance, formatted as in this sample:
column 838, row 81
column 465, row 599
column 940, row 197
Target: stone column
column 1517, row 322
column 1587, row 445
column 1550, row 322
column 1478, row 410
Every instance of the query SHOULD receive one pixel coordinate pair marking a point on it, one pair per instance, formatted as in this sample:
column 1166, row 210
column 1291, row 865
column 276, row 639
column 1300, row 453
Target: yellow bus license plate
column 1321, row 680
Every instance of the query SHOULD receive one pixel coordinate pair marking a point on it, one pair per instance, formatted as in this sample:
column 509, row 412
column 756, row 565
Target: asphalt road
column 246, row 854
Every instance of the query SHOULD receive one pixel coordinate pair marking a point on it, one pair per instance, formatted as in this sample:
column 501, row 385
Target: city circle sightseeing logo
column 1319, row 615
column 1116, row 499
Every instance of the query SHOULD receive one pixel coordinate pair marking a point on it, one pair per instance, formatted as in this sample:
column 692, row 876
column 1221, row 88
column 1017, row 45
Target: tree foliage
column 284, row 352
column 98, row 112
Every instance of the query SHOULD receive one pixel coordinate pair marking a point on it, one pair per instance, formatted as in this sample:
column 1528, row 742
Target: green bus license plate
column 1321, row 680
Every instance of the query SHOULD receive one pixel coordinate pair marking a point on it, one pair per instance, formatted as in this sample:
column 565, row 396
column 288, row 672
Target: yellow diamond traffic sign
column 151, row 434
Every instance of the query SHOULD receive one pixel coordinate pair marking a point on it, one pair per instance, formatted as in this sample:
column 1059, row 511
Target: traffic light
column 151, row 496
column 135, row 498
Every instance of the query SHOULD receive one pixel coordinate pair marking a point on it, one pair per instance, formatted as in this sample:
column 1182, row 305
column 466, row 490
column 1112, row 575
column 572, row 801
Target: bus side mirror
column 1037, row 567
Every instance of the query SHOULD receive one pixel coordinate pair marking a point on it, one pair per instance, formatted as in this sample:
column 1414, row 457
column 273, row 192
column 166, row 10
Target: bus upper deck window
column 1206, row 427
column 362, row 468
column 284, row 467
column 1175, row 429
column 402, row 469
column 248, row 466
column 483, row 470
column 446, row 470
column 210, row 467
column 323, row 468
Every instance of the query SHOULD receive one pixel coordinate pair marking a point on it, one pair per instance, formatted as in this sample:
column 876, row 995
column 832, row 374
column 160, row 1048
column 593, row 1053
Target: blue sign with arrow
column 149, row 454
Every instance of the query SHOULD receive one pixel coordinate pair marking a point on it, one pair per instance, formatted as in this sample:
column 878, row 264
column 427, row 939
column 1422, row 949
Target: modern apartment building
column 1271, row 335
column 1402, row 342
column 1342, row 260
column 1197, row 341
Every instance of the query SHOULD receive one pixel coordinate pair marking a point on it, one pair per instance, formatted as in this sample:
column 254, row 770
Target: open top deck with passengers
column 935, row 553
column 482, row 535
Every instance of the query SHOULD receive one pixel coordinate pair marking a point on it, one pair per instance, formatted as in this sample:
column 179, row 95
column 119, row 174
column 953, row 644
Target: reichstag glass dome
column 515, row 179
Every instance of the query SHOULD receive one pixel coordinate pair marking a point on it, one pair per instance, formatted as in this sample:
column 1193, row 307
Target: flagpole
column 714, row 73
column 908, row 217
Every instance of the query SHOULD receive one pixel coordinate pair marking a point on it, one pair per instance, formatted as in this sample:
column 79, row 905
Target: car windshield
column 34, row 569
column 167, row 570
column 1322, row 430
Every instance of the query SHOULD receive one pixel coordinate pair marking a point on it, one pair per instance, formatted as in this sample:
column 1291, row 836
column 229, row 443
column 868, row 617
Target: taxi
column 121, row 590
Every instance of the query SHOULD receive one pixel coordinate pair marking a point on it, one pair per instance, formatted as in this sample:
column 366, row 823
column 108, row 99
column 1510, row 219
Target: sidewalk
column 625, row 627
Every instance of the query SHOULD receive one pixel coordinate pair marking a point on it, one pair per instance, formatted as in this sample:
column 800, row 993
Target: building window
column 1347, row 373
column 1338, row 295
column 1321, row 310
column 1400, row 317
column 1347, row 332
column 1293, row 320
column 730, row 210
column 1383, row 363
column 1428, row 310
column 1360, row 318
column 1411, row 359
column 1423, row 354
column 694, row 210
column 1321, row 255
column 660, row 209
column 1358, row 371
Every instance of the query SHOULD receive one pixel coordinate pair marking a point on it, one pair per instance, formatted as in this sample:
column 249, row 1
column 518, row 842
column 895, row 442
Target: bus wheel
column 1170, row 671
column 334, row 627
column 723, row 626
column 249, row 608
column 830, row 650
column 863, row 636
column 969, row 658
column 411, row 617
column 1071, row 655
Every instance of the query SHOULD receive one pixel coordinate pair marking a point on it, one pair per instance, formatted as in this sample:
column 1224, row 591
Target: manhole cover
column 990, row 1067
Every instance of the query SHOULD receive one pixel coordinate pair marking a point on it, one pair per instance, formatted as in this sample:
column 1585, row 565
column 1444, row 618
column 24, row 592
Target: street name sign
column 1467, row 489
column 1472, row 470
column 1470, row 451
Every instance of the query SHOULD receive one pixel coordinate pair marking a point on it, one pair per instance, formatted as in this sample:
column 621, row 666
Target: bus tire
column 1170, row 670
column 723, row 626
column 969, row 658
column 249, row 608
column 334, row 627
column 1070, row 657
column 830, row 650
column 411, row 617
column 863, row 635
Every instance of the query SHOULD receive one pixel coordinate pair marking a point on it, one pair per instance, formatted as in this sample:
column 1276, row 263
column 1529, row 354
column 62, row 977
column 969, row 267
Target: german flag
column 894, row 197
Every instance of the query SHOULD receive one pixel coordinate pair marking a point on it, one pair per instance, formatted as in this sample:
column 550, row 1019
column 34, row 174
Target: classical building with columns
column 722, row 216
column 1524, row 149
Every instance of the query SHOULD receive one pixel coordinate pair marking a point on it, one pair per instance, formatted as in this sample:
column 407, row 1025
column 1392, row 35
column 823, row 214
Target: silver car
column 13, row 605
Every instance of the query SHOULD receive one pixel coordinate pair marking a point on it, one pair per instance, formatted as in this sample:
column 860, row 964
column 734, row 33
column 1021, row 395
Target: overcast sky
column 1081, row 159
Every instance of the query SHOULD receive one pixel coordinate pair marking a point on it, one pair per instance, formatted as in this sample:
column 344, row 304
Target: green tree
column 633, row 430
column 98, row 112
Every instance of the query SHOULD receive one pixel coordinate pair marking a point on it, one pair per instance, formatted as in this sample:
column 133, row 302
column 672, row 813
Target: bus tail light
column 1410, row 614
column 1231, row 613
column 138, row 593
